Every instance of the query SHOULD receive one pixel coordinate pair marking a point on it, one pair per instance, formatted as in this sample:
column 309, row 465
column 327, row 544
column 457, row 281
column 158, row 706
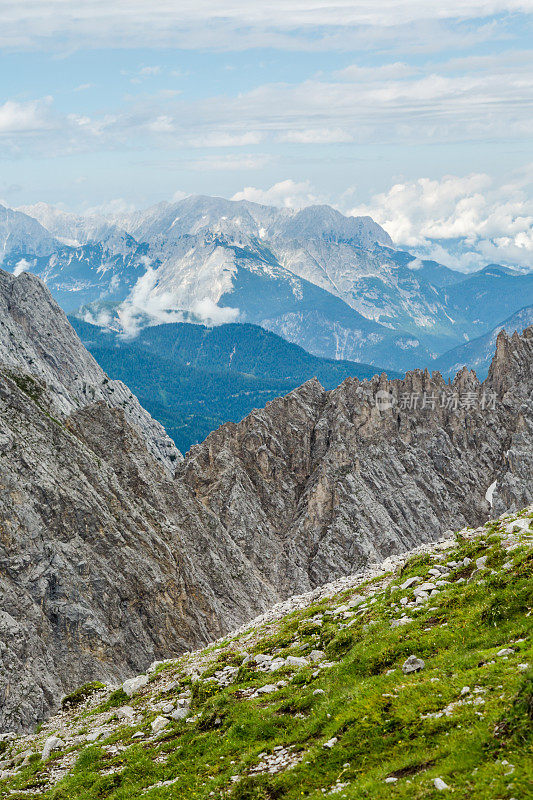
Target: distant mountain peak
column 318, row 278
column 21, row 234
column 199, row 212
column 324, row 221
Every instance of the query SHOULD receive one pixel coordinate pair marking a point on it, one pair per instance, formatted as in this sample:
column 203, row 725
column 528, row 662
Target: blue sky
column 123, row 103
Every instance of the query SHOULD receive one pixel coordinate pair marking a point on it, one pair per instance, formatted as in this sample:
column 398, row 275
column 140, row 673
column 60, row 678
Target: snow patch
column 406, row 344
column 490, row 492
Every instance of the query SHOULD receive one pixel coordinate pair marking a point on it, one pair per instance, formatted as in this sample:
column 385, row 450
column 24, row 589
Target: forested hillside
column 192, row 378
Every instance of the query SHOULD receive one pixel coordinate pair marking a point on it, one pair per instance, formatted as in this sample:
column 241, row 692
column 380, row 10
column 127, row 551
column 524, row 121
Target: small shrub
column 245, row 674
column 255, row 788
column 88, row 759
column 415, row 564
column 28, row 385
column 340, row 644
column 106, row 784
column 36, row 783
column 506, row 605
column 308, row 628
column 80, row 695
column 202, row 691
column 210, row 721
column 297, row 704
column 525, row 568
column 517, row 724
column 115, row 699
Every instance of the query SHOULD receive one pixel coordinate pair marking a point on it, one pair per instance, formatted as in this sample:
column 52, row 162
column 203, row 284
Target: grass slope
column 349, row 725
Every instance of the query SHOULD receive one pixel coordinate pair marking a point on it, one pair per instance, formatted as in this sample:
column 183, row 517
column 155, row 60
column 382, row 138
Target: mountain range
column 115, row 551
column 334, row 285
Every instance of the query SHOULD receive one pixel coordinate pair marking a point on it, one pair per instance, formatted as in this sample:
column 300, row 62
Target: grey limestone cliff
column 36, row 338
column 334, row 479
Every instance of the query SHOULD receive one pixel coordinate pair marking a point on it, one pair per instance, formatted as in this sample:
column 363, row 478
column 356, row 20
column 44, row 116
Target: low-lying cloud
column 145, row 305
column 21, row 266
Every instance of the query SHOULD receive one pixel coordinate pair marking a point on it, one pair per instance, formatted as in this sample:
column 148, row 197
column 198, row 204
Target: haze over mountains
column 335, row 285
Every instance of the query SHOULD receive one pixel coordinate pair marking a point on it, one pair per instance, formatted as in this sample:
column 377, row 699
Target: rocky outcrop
column 109, row 560
column 37, row 339
column 105, row 562
column 337, row 479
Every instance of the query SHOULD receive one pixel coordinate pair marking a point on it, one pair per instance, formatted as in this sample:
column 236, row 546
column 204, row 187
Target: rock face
column 37, row 339
column 318, row 483
column 109, row 561
column 105, row 562
column 21, row 235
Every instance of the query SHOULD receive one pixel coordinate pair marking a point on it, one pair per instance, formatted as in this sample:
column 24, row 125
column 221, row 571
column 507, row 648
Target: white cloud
column 232, row 163
column 458, row 100
column 288, row 194
column 162, row 124
column 318, row 136
column 433, row 103
column 178, row 195
column 17, row 118
column 150, row 71
column 103, row 318
column 118, row 206
column 464, row 222
column 142, row 74
column 21, row 266
column 212, row 314
column 359, row 74
column 226, row 139
column 293, row 24
column 146, row 305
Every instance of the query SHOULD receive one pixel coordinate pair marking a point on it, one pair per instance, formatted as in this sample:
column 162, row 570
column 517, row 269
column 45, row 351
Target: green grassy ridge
column 387, row 724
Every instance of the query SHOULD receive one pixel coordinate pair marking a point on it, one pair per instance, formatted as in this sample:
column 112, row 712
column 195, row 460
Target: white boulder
column 52, row 744
column 134, row 685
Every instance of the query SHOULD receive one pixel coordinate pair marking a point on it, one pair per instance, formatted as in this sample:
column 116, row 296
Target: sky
column 417, row 113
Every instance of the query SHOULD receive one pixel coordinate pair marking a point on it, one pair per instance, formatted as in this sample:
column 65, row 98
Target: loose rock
column 412, row 664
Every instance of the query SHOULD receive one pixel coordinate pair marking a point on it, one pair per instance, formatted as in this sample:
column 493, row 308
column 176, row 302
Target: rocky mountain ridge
column 334, row 478
column 37, row 339
column 108, row 560
column 478, row 353
column 21, row 235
